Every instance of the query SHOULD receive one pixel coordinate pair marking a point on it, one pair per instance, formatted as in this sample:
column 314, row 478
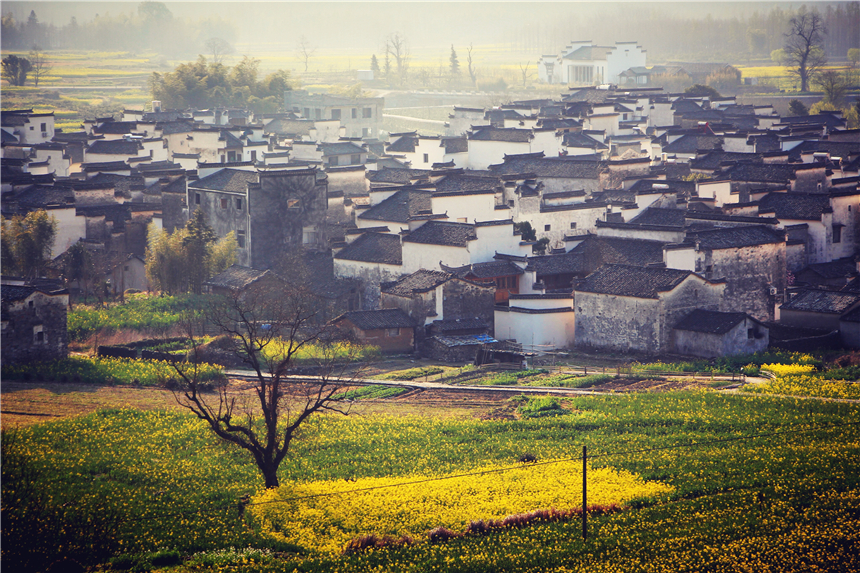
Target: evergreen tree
column 374, row 66
column 454, row 63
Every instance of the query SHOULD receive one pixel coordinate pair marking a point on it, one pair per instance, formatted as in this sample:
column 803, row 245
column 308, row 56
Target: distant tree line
column 152, row 28
column 706, row 39
column 203, row 84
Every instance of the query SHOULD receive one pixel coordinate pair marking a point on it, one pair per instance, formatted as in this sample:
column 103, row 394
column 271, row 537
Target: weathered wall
column 281, row 207
column 617, row 322
column 462, row 299
column 19, row 338
column 546, row 328
column 370, row 276
column 734, row 342
column 749, row 272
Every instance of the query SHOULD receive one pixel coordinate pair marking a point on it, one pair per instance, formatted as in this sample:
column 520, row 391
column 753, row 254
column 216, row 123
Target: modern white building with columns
column 587, row 64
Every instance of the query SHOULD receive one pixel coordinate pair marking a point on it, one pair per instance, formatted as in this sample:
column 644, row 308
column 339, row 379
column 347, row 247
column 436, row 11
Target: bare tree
column 219, row 48
column 266, row 328
column 524, row 71
column 305, row 51
column 39, row 64
column 473, row 73
column 804, row 53
column 398, row 48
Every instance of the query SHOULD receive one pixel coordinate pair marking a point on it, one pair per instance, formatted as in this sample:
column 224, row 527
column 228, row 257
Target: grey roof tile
column 374, row 248
column 711, row 321
column 443, row 233
column 420, row 281
column 627, row 280
column 230, row 180
column 822, row 301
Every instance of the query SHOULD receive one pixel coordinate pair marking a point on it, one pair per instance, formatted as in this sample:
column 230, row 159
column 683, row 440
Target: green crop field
column 714, row 482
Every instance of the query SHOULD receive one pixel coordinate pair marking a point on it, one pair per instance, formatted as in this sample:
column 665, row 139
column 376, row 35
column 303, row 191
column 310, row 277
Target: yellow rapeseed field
column 308, row 514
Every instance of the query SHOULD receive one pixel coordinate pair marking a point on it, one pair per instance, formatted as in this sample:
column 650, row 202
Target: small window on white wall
column 39, row 335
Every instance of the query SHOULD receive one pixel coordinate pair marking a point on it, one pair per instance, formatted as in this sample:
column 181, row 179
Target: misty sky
column 362, row 25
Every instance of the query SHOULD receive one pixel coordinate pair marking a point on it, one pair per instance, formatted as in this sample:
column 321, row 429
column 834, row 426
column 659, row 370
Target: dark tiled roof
column 230, row 180
column 555, row 264
column 455, row 144
column 827, row 302
column 341, row 148
column 582, row 140
column 375, row 319
column 736, row 237
column 121, row 183
column 374, row 248
column 710, row 321
column 418, row 282
column 443, row 233
column 690, row 143
column 12, row 293
column 399, row 207
column 490, row 269
column 834, row 269
column 114, row 147
column 404, row 144
column 396, row 176
column 770, row 172
column 39, row 196
column 511, row 135
column 627, row 280
column 663, row 217
column 460, row 183
column 236, row 277
column 549, row 167
column 116, row 127
column 851, row 316
column 800, row 206
column 595, row 251
column 714, row 158
column 685, row 106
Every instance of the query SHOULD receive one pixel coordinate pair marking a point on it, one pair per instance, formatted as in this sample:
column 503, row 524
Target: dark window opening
column 837, row 233
column 354, row 113
column 40, row 336
column 367, row 113
column 335, row 114
column 238, row 204
column 426, row 158
column 197, row 198
column 240, row 239
column 547, row 227
column 355, row 159
column 223, row 202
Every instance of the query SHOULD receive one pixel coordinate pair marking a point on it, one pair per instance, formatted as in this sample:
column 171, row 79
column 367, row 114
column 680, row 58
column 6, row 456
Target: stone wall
column 48, row 314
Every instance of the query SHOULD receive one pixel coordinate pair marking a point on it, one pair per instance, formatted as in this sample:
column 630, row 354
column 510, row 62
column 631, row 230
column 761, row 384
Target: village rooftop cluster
column 613, row 217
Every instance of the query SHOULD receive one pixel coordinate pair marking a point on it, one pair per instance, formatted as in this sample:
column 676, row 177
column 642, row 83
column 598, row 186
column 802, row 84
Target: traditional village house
column 622, row 307
column 361, row 117
column 712, row 334
column 433, row 296
column 34, row 323
column 750, row 260
column 539, row 322
column 818, row 308
column 392, row 330
column 27, row 127
column 585, row 63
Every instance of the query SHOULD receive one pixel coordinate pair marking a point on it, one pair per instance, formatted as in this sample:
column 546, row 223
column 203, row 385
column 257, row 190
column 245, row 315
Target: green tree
column 796, row 108
column 27, row 243
column 197, row 240
column 221, row 254
column 374, row 66
column 854, row 57
column 166, row 261
column 698, row 90
column 15, row 69
column 79, row 267
column 454, row 63
column 804, row 51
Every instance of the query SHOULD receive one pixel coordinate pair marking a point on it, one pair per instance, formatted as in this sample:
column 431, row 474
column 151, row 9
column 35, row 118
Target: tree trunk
column 270, row 474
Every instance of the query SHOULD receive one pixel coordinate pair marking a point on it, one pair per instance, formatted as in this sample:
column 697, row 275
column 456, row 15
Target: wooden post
column 584, row 494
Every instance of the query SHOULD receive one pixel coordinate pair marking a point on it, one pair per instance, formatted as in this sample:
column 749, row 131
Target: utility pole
column 584, row 494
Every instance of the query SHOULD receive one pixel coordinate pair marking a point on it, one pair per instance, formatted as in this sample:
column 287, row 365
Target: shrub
column 542, row 408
